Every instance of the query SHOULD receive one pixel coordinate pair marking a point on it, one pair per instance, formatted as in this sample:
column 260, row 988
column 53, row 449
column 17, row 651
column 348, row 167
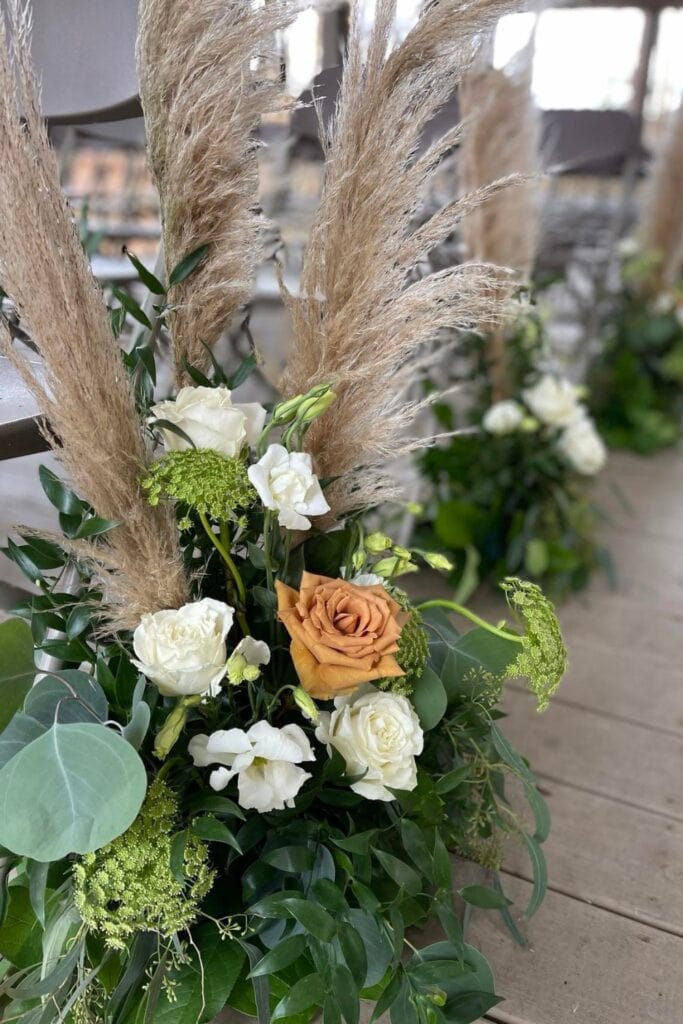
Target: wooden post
column 642, row 73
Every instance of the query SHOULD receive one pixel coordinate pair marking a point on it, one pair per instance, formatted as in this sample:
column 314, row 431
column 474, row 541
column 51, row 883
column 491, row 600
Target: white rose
column 182, row 651
column 264, row 759
column 286, row 483
column 503, row 417
column 581, row 444
column 553, row 400
column 378, row 735
column 210, row 420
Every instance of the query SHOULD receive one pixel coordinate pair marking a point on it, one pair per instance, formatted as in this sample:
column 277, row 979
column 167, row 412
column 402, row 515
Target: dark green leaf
column 345, row 989
column 285, row 953
column 353, row 949
column 449, row 782
column 507, row 917
column 330, row 896
column 292, row 859
column 429, row 699
column 202, row 987
column 214, row 831
column 152, row 283
column 415, row 846
column 540, row 872
column 178, row 846
column 94, row 527
column 482, row 896
column 21, row 932
column 401, row 873
column 540, row 811
column 64, row 500
column 243, row 371
column 510, row 756
column 16, row 667
column 360, row 842
column 187, row 265
column 304, row 994
column 313, row 918
column 78, row 620
column 132, row 307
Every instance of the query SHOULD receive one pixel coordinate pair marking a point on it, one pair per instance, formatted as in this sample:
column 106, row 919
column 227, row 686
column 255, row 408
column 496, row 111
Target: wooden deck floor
column 607, row 945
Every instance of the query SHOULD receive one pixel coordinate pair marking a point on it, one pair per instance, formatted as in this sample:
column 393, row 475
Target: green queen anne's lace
column 543, row 655
column 203, row 479
column 128, row 886
column 413, row 649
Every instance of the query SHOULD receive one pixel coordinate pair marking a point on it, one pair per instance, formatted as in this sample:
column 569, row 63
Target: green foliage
column 84, row 785
column 413, row 648
column 16, row 667
column 129, row 886
column 637, row 377
column 202, row 479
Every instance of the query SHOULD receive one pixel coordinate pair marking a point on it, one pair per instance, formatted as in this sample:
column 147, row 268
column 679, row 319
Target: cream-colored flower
column 286, row 483
column 582, row 446
column 379, row 735
column 246, row 660
column 182, row 650
column 553, row 400
column 503, row 417
column 210, row 419
column 264, row 759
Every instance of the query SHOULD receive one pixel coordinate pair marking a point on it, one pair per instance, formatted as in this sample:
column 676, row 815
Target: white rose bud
column 211, row 420
column 503, row 417
column 378, row 735
column 286, row 483
column 583, row 447
column 182, row 651
column 553, row 400
column 264, row 759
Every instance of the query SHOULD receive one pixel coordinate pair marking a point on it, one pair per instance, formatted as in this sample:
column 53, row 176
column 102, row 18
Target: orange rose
column 342, row 634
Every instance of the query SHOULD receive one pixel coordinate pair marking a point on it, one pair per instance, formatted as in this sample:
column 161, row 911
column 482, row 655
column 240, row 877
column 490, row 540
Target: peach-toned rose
column 342, row 634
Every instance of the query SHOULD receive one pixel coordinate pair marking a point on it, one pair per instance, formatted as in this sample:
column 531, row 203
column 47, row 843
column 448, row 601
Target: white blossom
column 210, row 419
column 286, row 483
column 582, row 446
column 554, row 400
column 379, row 735
column 503, row 417
column 182, row 650
column 264, row 759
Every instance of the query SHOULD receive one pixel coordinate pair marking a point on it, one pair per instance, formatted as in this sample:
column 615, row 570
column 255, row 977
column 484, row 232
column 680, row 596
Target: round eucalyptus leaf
column 67, row 696
column 72, row 790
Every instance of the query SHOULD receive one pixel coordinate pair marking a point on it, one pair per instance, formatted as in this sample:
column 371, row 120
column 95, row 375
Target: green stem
column 467, row 614
column 234, row 572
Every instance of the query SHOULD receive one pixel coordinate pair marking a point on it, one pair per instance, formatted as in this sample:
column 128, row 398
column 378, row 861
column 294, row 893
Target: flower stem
column 459, row 609
column 234, row 572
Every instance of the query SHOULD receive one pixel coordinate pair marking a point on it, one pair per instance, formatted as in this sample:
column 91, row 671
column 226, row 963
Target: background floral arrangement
column 636, row 380
column 248, row 753
column 509, row 490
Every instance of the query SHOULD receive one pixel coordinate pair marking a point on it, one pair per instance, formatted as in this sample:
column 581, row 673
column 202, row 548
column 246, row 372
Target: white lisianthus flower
column 628, row 247
column 368, row 579
column 246, row 660
column 503, row 417
column 182, row 650
column 286, row 483
column 211, row 420
column 379, row 735
column 553, row 400
column 582, row 446
column 264, row 759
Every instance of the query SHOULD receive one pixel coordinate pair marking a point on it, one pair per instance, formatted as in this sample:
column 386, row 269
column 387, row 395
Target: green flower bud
column 377, row 542
column 358, row 560
column 306, row 704
column 529, row 424
column 169, row 734
column 314, row 407
column 401, row 552
column 251, row 673
column 414, row 508
column 437, row 561
column 393, row 566
column 285, row 412
column 437, row 996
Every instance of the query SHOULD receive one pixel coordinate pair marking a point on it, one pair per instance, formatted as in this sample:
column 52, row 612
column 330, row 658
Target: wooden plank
column 624, row 685
column 585, row 966
column 628, row 762
column 618, row 857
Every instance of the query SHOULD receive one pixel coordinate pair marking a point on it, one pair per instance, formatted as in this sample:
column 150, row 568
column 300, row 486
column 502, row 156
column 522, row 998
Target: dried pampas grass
column 661, row 230
column 357, row 322
column 502, row 138
column 204, row 88
column 85, row 393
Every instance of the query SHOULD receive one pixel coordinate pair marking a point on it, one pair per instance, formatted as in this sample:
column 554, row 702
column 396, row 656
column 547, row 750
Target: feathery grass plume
column 502, row 138
column 358, row 324
column 661, row 229
column 204, row 88
column 84, row 393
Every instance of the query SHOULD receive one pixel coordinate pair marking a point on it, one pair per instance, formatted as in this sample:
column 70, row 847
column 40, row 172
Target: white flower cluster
column 206, row 417
column 184, row 652
column 554, row 403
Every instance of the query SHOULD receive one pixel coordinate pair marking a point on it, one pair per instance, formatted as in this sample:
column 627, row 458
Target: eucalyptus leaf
column 70, row 696
column 16, row 667
column 84, row 785
column 429, row 699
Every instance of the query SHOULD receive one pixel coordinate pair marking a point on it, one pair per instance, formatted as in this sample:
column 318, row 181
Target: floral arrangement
column 509, row 490
column 248, row 753
column 636, row 379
